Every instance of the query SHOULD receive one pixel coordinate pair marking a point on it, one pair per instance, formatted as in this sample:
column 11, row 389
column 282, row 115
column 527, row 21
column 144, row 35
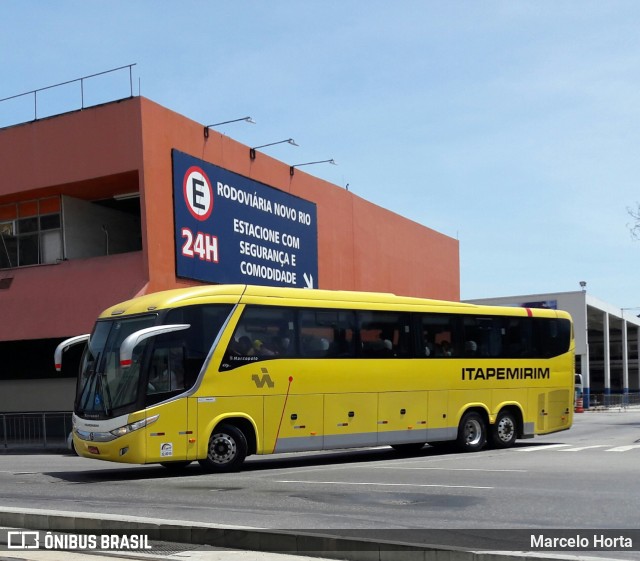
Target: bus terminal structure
column 607, row 342
column 106, row 203
column 122, row 199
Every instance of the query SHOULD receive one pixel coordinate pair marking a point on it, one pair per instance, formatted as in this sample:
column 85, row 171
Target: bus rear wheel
column 505, row 430
column 472, row 432
column 227, row 449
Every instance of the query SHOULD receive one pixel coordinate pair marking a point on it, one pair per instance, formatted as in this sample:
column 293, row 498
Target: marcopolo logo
column 260, row 381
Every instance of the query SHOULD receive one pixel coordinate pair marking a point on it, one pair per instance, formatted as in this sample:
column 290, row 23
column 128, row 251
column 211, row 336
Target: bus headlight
column 121, row 431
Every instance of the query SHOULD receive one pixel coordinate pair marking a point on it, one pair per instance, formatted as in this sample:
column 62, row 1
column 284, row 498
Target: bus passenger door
column 167, row 437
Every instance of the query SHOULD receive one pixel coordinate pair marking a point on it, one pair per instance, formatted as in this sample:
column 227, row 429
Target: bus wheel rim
column 506, row 429
column 222, row 449
column 472, row 432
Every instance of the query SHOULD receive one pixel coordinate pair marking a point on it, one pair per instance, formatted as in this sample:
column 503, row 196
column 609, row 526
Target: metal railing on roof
column 81, row 82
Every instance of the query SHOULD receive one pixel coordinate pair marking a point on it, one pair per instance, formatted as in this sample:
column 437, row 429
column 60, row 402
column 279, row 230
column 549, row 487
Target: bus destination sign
column 231, row 229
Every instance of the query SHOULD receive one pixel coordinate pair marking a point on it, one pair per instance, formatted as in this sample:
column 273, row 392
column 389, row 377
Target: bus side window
column 551, row 336
column 483, row 336
column 516, row 341
column 439, row 336
column 327, row 333
column 167, row 370
column 384, row 334
column 178, row 357
column 263, row 333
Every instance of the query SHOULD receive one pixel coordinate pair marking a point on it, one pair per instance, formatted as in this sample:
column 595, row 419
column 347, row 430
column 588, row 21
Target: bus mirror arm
column 64, row 346
column 133, row 340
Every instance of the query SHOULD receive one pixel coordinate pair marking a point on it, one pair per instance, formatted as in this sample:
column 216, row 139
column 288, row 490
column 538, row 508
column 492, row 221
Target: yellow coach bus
column 217, row 373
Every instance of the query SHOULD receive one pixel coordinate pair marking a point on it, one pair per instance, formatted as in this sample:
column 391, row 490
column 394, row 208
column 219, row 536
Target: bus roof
column 235, row 293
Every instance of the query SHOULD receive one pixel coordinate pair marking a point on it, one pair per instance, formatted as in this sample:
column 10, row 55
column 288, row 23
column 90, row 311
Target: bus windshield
column 161, row 367
column 103, row 385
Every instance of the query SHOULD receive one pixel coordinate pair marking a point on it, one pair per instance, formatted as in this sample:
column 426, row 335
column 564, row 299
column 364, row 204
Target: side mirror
column 64, row 346
column 133, row 340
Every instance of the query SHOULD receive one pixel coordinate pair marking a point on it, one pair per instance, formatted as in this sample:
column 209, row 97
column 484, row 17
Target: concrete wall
column 125, row 147
column 90, row 154
column 84, row 230
column 22, row 396
column 63, row 300
column 42, row 156
column 361, row 246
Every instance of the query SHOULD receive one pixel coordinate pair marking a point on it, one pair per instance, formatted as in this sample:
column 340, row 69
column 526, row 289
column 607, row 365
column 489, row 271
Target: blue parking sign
column 231, row 229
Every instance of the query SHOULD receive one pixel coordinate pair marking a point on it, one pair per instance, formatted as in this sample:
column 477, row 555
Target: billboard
column 231, row 229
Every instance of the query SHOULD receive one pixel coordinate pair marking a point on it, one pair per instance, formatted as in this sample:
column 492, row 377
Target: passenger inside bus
column 444, row 349
column 167, row 371
column 470, row 348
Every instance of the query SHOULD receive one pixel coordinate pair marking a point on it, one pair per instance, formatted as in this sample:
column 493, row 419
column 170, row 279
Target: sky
column 512, row 126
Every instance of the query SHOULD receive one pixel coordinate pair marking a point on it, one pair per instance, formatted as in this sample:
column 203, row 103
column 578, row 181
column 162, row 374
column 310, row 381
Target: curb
column 305, row 544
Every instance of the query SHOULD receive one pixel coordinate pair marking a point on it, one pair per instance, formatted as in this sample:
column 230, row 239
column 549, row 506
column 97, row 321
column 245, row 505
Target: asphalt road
column 583, row 478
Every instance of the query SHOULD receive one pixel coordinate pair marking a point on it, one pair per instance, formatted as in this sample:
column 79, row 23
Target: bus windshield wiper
column 106, row 394
column 85, row 394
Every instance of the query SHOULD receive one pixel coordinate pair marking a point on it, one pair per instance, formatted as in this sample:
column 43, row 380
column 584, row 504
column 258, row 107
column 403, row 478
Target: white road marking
column 540, row 448
column 580, row 448
column 454, row 469
column 623, row 448
column 381, row 484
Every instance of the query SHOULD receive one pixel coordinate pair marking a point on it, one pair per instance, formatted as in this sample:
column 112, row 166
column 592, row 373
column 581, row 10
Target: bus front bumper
column 129, row 448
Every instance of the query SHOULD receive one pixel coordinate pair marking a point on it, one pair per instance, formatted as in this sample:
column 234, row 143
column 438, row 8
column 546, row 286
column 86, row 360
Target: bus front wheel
column 227, row 449
column 472, row 432
column 505, row 430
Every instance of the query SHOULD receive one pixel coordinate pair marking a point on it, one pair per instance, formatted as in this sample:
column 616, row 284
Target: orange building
column 87, row 219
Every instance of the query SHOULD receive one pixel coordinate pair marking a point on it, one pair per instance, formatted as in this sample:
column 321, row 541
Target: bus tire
column 227, row 449
column 504, row 432
column 409, row 448
column 472, row 432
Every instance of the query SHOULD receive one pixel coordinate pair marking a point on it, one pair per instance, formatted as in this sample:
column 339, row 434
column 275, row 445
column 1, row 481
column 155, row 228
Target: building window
column 30, row 233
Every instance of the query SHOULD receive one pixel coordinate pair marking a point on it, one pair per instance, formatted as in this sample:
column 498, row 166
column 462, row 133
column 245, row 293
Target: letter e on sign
column 198, row 194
